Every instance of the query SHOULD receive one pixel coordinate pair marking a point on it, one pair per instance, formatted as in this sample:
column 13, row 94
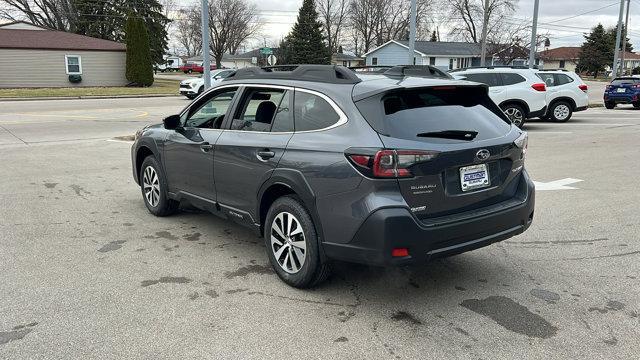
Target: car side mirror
column 171, row 122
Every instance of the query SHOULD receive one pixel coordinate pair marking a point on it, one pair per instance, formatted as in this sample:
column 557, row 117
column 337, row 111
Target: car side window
column 210, row 112
column 561, row 79
column 312, row 112
column 258, row 109
column 490, row 79
column 512, row 79
column 283, row 120
column 548, row 79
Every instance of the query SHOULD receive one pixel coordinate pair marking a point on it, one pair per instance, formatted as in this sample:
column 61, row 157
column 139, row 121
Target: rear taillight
column 583, row 87
column 522, row 142
column 389, row 163
column 636, row 86
column 539, row 87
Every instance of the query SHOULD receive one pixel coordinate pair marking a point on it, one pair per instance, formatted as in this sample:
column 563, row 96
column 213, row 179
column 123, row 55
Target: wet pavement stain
column 17, row 333
column 460, row 288
column 249, row 269
column 112, row 246
column 211, row 293
column 166, row 280
column 341, row 339
column 127, row 224
column 50, row 185
column 79, row 191
column 165, row 235
column 612, row 305
column 548, row 296
column 344, row 316
column 234, row 291
column 512, row 316
column 406, row 317
column 192, row 237
column 611, row 342
column 194, row 296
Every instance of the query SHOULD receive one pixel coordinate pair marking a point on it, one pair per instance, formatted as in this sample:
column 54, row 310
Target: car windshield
column 625, row 81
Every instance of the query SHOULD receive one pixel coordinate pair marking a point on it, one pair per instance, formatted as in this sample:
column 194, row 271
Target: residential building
column 565, row 57
column 443, row 55
column 34, row 56
column 346, row 60
column 631, row 61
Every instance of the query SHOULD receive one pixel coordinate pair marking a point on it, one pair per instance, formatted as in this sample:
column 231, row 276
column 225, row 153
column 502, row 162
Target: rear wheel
column 636, row 105
column 609, row 105
column 515, row 113
column 154, row 188
column 560, row 112
column 292, row 244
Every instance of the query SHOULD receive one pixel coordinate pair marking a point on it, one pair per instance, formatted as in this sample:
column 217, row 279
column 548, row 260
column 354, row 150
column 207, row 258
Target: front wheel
column 560, row 112
column 609, row 105
column 292, row 244
column 515, row 113
column 154, row 188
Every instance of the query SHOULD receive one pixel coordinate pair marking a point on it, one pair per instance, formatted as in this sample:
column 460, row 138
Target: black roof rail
column 563, row 70
column 333, row 74
column 493, row 67
column 417, row 70
column 371, row 68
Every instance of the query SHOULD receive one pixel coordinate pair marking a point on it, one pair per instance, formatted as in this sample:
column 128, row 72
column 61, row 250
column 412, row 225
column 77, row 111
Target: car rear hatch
column 453, row 149
column 623, row 87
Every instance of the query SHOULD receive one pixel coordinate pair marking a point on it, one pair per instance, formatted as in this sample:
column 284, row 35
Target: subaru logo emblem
column 483, row 154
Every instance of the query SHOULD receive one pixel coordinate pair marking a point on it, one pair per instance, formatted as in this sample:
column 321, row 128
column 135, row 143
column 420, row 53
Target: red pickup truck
column 189, row 68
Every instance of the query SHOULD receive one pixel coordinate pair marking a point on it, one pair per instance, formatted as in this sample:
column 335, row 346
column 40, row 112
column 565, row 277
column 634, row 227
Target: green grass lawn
column 159, row 87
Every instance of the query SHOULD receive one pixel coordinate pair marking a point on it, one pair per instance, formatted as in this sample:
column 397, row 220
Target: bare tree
column 467, row 18
column 231, row 22
column 189, row 30
column 333, row 15
column 54, row 14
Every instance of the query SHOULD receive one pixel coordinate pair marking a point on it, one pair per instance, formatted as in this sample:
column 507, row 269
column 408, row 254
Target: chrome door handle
column 266, row 154
column 206, row 147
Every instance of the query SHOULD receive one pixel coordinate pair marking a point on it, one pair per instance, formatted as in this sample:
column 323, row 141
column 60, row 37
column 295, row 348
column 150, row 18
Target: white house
column 443, row 55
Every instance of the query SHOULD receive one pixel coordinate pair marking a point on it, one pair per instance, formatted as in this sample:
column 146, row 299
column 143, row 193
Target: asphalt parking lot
column 88, row 273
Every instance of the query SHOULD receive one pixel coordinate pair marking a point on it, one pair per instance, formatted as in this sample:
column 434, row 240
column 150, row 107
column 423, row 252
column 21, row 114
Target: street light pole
column 534, row 35
column 624, row 38
column 206, row 58
column 614, row 68
column 485, row 25
column 412, row 33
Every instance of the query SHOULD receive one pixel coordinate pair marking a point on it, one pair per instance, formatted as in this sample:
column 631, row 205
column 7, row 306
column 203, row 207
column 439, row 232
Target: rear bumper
column 622, row 98
column 186, row 92
column 395, row 227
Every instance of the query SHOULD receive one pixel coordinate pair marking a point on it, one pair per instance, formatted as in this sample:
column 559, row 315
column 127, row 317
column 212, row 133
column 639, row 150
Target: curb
column 595, row 105
column 89, row 97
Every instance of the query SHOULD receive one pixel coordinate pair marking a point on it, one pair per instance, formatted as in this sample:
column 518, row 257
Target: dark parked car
column 623, row 90
column 329, row 165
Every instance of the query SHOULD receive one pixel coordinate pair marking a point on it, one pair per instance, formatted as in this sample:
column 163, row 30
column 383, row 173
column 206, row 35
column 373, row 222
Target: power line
column 584, row 13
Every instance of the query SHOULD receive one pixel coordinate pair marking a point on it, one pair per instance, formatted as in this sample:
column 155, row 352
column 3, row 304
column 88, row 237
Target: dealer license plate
column 621, row 90
column 474, row 177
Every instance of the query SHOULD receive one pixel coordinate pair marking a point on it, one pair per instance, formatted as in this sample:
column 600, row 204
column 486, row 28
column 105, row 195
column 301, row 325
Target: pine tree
column 305, row 42
column 613, row 32
column 139, row 67
column 596, row 52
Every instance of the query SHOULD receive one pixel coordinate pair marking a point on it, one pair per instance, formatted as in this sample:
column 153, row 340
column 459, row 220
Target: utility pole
column 534, row 35
column 206, row 58
column 614, row 68
column 485, row 25
column 412, row 33
column 624, row 39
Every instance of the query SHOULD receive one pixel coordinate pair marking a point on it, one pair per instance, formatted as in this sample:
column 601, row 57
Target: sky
column 280, row 15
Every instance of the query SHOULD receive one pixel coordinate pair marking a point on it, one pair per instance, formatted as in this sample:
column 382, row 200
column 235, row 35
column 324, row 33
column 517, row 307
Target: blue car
column 623, row 90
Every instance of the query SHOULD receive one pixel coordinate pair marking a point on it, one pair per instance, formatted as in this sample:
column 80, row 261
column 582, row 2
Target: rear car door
column 497, row 90
column 188, row 151
column 250, row 148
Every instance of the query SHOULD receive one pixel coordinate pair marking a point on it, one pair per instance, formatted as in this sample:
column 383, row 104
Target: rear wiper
column 451, row 134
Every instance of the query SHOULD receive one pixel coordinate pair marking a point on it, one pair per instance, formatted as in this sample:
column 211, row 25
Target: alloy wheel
column 515, row 115
column 151, row 186
column 561, row 112
column 288, row 242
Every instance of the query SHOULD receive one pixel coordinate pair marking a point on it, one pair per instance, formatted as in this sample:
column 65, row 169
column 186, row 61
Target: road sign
column 266, row 51
column 272, row 59
column 254, row 60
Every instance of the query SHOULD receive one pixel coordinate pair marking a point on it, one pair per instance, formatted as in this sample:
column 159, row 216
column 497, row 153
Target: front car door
column 189, row 150
column 251, row 147
column 497, row 91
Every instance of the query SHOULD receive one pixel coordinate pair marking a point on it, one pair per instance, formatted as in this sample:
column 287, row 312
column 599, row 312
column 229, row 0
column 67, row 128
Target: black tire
column 636, row 105
column 609, row 105
column 200, row 90
column 163, row 205
column 313, row 270
column 191, row 97
column 512, row 111
column 189, row 71
column 560, row 111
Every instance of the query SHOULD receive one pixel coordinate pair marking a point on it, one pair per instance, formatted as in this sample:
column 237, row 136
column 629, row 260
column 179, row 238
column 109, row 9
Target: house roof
column 54, row 40
column 345, row 57
column 436, row 48
column 22, row 25
column 631, row 56
column 561, row 53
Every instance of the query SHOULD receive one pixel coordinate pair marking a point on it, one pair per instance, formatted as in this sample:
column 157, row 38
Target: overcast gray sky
column 279, row 16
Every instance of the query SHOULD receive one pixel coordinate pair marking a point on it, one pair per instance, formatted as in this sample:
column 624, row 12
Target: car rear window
column 408, row 113
column 625, row 81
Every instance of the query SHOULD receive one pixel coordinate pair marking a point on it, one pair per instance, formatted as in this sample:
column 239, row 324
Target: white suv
column 191, row 88
column 519, row 92
column 566, row 94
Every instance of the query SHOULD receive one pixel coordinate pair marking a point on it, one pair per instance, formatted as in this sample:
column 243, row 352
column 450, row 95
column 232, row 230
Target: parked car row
column 194, row 87
column 326, row 164
column 195, row 67
column 524, row 93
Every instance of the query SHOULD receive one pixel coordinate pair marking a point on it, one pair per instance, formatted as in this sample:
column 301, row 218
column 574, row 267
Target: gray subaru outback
column 332, row 165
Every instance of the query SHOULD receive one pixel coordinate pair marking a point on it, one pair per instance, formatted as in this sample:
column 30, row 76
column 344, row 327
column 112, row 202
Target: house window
column 432, row 61
column 450, row 64
column 374, row 61
column 562, row 64
column 74, row 64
